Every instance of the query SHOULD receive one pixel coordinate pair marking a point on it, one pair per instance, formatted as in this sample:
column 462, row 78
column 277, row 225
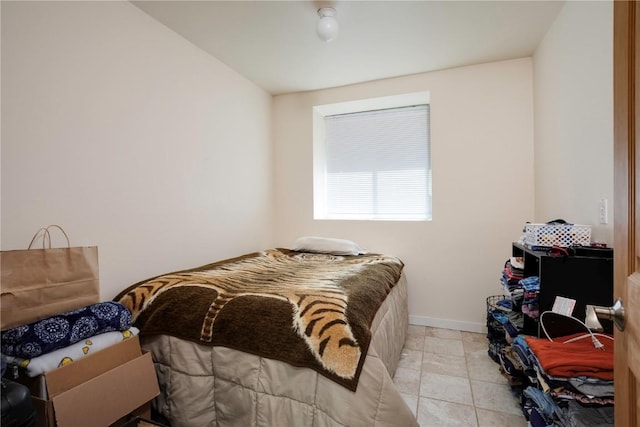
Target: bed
column 277, row 338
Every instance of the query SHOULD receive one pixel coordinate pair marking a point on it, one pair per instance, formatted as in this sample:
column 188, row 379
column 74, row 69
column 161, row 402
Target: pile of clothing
column 499, row 308
column 512, row 273
column 564, row 381
column 509, row 317
column 524, row 291
column 523, row 296
column 530, row 291
column 55, row 341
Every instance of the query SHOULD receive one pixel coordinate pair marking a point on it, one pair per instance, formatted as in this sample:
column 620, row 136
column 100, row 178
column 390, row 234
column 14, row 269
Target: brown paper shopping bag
column 38, row 283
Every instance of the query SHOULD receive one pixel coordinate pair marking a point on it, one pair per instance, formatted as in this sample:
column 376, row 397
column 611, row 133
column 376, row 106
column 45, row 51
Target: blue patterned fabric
column 62, row 330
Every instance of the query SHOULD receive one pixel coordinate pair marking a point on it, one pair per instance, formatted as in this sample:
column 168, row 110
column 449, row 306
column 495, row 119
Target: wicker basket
column 495, row 330
column 563, row 235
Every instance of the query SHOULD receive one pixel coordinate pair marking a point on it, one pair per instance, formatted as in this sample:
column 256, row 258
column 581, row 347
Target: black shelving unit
column 585, row 275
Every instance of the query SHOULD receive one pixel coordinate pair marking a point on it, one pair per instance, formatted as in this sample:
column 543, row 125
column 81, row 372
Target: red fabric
column 511, row 274
column 574, row 359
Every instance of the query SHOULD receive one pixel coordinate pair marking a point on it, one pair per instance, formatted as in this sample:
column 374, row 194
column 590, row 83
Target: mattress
column 219, row 386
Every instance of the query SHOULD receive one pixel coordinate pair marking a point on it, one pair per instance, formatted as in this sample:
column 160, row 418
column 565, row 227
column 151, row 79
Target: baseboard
column 448, row 324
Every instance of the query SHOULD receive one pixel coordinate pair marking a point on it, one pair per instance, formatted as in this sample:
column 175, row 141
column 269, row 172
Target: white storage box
column 563, row 235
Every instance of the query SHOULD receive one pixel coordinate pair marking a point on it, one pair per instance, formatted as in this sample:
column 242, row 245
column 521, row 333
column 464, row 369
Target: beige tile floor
column 448, row 380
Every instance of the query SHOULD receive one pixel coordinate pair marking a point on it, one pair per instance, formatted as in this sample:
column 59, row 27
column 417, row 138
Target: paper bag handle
column 47, row 236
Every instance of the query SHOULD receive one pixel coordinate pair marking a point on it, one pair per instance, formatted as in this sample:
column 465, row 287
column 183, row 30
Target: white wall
column 573, row 81
column 138, row 142
column 130, row 138
column 482, row 160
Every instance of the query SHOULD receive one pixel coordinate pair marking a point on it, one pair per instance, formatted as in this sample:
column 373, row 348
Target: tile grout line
column 473, row 399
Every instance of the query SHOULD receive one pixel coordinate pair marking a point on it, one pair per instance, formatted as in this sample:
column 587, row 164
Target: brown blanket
column 309, row 310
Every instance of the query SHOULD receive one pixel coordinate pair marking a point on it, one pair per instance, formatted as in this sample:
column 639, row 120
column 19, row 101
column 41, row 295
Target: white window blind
column 378, row 165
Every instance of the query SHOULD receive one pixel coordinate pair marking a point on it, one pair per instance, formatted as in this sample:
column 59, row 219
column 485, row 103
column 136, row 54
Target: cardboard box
column 98, row 389
column 143, row 422
column 143, row 412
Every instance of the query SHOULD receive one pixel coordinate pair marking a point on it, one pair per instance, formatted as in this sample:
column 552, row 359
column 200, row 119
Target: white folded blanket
column 63, row 356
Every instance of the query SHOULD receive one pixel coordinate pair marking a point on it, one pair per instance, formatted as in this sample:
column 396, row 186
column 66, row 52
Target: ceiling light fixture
column 327, row 28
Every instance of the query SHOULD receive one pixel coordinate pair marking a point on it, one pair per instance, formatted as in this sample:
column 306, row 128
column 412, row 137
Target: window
column 373, row 164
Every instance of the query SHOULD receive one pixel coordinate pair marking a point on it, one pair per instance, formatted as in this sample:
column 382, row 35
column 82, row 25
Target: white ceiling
column 274, row 44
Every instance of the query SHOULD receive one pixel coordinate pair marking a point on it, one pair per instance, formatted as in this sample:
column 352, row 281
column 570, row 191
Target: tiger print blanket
column 309, row 310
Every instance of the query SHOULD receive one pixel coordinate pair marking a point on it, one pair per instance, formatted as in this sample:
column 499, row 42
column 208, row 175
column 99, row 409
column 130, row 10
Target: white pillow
column 325, row 245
